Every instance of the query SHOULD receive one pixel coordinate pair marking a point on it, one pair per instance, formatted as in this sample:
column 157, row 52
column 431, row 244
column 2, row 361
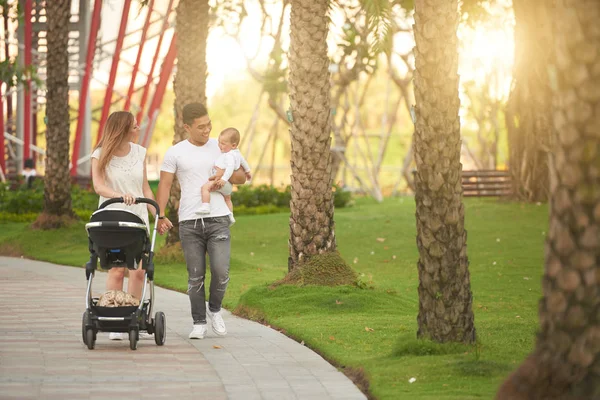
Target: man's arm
column 164, row 189
column 237, row 178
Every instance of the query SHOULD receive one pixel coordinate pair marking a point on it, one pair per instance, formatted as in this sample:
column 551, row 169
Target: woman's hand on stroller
column 128, row 199
column 164, row 224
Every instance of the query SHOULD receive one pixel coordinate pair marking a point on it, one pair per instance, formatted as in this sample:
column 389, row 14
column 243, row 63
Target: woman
column 119, row 170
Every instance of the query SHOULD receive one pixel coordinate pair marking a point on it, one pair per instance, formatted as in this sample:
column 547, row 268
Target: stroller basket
column 118, row 238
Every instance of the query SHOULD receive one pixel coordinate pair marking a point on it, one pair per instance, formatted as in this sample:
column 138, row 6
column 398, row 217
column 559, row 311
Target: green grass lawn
column 375, row 328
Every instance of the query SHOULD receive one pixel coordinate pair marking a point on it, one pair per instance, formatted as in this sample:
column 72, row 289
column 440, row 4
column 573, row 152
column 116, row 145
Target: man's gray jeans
column 198, row 237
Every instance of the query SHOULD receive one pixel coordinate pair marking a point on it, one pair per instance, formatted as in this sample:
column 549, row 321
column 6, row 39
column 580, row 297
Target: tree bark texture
column 565, row 363
column 527, row 116
column 57, row 180
column 311, row 205
column 445, row 299
column 189, row 84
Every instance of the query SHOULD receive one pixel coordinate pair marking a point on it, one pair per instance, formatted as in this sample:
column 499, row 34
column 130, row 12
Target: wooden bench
column 486, row 183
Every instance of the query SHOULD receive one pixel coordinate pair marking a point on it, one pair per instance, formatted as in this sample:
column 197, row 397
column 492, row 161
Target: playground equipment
column 148, row 33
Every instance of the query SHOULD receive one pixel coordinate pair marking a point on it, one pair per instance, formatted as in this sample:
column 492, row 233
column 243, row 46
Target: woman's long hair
column 117, row 129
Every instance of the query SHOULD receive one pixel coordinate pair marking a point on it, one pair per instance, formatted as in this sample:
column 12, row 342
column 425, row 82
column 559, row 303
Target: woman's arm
column 100, row 186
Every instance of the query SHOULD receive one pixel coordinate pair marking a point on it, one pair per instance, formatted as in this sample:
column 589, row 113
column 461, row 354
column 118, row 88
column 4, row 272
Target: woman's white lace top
column 126, row 175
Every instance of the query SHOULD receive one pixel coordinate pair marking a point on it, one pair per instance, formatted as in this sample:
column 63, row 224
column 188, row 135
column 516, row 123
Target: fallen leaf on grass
column 339, row 302
column 381, row 240
column 394, row 257
column 369, row 329
column 526, row 278
column 355, row 260
column 411, row 380
column 386, row 247
column 216, row 346
column 331, row 338
column 302, row 343
column 259, row 269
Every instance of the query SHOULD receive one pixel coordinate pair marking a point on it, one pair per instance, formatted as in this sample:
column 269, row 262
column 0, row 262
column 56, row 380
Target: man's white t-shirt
column 193, row 166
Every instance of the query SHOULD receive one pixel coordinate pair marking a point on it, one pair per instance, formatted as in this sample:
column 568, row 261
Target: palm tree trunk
column 189, row 84
column 311, row 205
column 527, row 117
column 445, row 299
column 566, row 361
column 57, row 192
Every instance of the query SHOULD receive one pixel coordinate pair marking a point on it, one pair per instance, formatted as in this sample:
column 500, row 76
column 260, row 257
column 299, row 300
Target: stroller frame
column 116, row 243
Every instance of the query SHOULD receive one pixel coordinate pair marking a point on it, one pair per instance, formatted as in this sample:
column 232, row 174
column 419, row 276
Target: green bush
column 263, row 195
column 248, row 200
column 26, row 200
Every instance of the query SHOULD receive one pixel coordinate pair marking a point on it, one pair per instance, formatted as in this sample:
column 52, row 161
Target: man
column 192, row 161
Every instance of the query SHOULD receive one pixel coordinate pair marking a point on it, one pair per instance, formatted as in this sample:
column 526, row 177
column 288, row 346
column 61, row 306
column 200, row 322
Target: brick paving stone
column 42, row 355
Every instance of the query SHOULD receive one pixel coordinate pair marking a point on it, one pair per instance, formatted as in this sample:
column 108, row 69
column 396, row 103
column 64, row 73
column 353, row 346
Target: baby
column 229, row 160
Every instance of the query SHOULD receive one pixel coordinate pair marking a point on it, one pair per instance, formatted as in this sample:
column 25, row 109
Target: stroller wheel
column 90, row 339
column 160, row 328
column 83, row 324
column 133, row 339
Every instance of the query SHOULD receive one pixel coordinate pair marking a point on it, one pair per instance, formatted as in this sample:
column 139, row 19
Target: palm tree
column 527, row 117
column 565, row 363
column 445, row 299
column 311, row 215
column 190, row 79
column 57, row 181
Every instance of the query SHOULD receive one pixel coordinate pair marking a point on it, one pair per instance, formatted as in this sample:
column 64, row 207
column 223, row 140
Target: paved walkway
column 42, row 355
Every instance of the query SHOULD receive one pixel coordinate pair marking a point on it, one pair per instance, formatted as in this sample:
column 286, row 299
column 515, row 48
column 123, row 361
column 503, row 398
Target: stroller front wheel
column 83, row 327
column 90, row 338
column 133, row 339
column 160, row 328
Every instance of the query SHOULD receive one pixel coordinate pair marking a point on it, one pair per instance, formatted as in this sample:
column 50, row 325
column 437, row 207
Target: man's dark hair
column 29, row 163
column 192, row 111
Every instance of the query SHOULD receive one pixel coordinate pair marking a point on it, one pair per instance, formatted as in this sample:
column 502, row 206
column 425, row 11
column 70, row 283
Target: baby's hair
column 231, row 134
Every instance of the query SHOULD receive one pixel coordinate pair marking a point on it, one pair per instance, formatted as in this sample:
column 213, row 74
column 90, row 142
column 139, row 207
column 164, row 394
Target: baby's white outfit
column 230, row 162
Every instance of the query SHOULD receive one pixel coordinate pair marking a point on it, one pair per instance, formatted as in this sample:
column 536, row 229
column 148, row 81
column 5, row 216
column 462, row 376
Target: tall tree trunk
column 445, row 299
column 566, row 361
column 189, row 85
column 57, row 182
column 311, row 206
column 527, row 117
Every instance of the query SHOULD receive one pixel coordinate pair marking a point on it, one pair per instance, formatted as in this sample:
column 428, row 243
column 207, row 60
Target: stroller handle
column 138, row 200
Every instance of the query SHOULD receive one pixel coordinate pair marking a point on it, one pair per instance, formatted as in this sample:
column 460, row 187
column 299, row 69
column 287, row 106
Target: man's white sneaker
column 116, row 336
column 231, row 220
column 198, row 332
column 218, row 325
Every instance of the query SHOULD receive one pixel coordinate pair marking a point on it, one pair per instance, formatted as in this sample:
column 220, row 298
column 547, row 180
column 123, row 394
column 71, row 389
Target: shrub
column 26, row 200
column 264, row 195
column 17, row 199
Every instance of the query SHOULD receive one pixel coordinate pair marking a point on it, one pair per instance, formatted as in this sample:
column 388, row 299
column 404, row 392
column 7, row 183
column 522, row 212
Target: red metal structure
column 139, row 56
column 165, row 73
column 85, row 84
column 113, row 70
column 88, row 56
column 27, row 95
column 2, row 155
column 153, row 65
